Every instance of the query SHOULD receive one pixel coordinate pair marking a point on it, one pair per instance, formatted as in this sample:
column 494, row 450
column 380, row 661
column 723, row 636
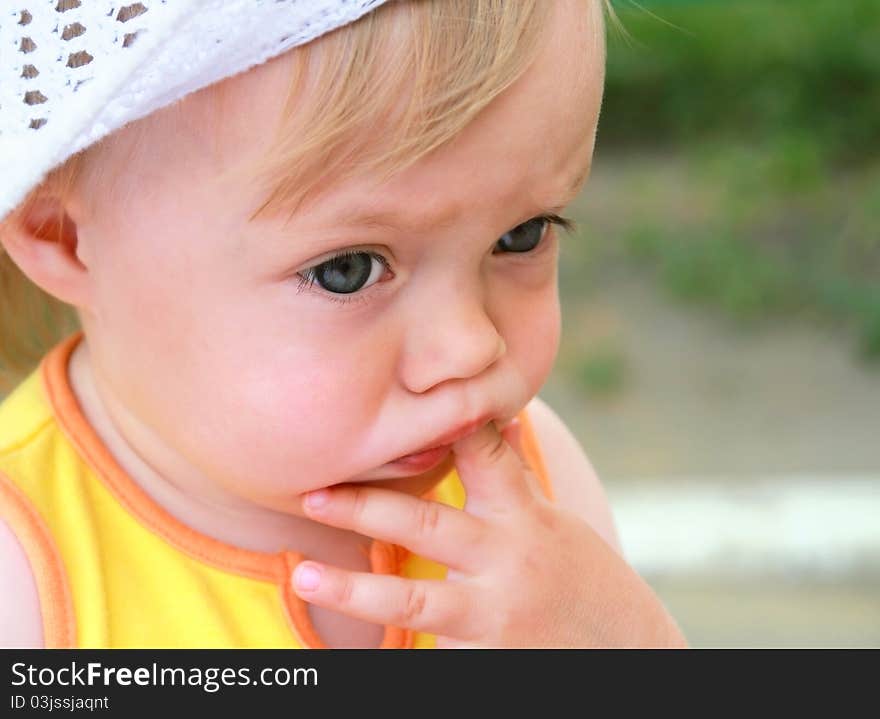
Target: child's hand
column 522, row 571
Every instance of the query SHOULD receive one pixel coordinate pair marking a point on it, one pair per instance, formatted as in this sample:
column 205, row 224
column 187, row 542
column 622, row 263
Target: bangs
column 379, row 94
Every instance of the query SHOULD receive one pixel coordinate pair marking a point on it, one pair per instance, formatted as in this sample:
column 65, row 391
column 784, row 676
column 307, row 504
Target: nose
column 451, row 336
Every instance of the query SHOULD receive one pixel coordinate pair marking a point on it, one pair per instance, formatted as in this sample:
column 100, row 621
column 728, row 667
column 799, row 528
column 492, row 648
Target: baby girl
column 317, row 301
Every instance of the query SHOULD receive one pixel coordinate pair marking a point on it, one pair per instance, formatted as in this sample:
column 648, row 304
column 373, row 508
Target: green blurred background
column 721, row 346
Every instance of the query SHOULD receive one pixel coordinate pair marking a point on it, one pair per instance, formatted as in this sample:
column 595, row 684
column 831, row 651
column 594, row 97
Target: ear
column 41, row 238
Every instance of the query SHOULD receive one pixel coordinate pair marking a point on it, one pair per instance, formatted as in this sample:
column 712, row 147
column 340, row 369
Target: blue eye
column 347, row 272
column 525, row 237
column 350, row 272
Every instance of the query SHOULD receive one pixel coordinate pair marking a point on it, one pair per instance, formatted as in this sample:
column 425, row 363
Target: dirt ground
column 718, row 614
column 701, row 396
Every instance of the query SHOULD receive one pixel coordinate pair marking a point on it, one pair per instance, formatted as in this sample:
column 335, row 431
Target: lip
column 422, row 461
column 431, row 455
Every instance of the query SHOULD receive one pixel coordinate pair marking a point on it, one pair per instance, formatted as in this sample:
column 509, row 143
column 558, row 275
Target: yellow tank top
column 115, row 570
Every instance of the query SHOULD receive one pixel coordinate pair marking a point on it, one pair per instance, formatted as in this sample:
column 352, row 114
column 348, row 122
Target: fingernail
column 307, row 577
column 317, row 499
column 514, row 425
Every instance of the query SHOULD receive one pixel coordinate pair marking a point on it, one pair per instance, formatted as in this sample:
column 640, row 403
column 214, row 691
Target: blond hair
column 381, row 93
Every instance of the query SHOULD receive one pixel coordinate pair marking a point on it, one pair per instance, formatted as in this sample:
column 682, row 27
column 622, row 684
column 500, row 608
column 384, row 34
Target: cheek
column 139, row 327
column 300, row 401
column 532, row 329
column 296, row 416
column 149, row 282
column 538, row 340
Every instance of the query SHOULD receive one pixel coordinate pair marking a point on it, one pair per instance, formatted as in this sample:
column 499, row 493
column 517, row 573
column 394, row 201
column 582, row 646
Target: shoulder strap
column 59, row 624
column 533, row 453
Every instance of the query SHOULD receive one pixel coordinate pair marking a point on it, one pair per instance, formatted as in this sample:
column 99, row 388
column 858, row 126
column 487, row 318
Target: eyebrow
column 393, row 220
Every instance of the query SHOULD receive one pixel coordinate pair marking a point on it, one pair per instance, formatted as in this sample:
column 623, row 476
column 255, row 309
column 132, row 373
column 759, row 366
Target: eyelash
column 309, row 279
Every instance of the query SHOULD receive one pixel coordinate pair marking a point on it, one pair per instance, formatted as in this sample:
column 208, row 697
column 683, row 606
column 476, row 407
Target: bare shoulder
column 576, row 485
column 21, row 625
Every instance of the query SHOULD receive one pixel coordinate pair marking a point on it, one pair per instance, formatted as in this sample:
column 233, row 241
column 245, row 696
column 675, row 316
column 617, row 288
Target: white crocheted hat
column 73, row 71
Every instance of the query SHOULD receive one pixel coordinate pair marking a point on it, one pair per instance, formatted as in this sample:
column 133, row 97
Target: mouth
column 421, row 461
column 438, row 449
column 428, row 458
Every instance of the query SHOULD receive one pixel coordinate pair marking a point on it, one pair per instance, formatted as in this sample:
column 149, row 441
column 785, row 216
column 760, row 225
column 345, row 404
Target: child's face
column 197, row 325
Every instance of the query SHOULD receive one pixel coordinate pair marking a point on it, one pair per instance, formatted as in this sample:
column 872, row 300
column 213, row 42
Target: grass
column 747, row 71
column 601, row 372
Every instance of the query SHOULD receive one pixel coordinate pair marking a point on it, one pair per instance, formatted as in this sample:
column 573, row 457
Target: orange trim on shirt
column 533, row 453
column 56, row 604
